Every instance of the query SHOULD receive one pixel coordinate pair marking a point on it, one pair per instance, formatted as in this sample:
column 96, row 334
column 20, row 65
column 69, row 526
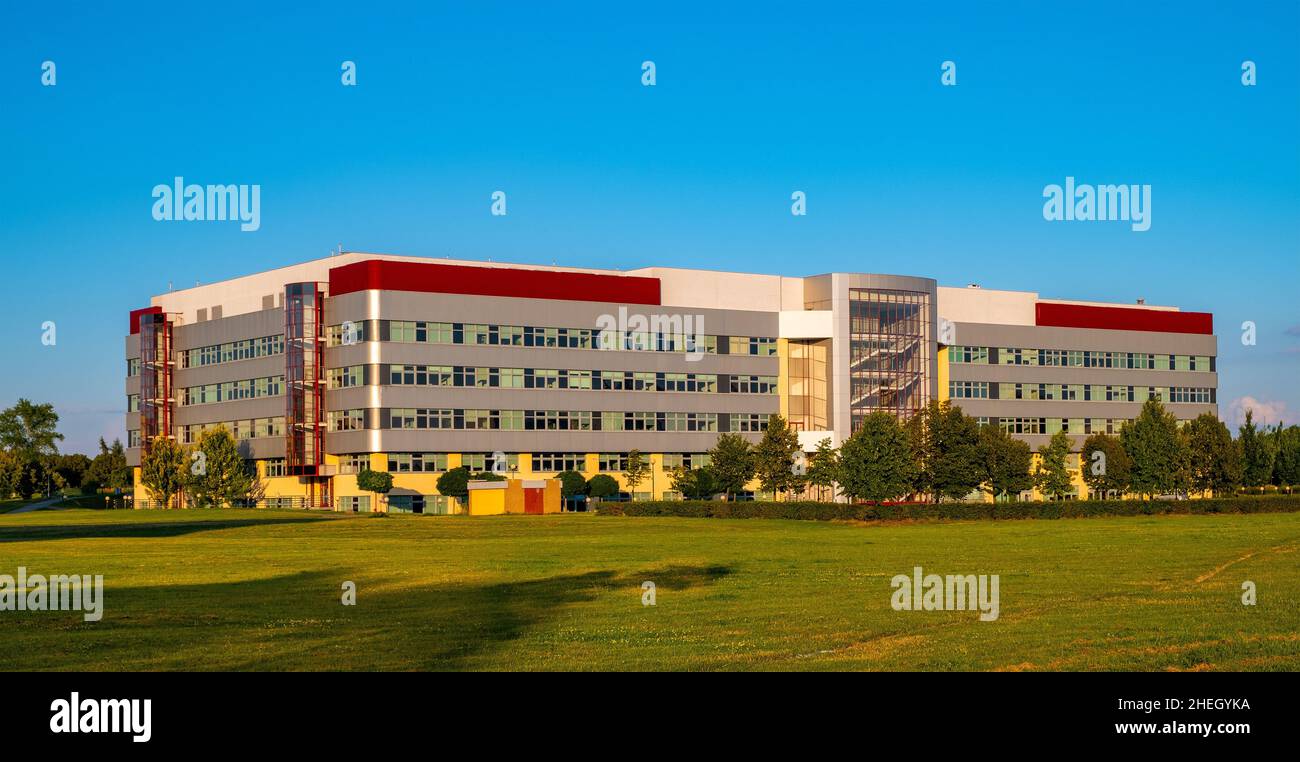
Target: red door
column 532, row 500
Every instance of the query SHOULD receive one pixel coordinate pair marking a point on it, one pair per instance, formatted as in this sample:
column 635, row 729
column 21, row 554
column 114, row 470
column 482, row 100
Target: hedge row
column 1067, row 509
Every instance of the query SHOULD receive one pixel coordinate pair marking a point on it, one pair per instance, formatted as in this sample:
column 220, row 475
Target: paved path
column 38, row 506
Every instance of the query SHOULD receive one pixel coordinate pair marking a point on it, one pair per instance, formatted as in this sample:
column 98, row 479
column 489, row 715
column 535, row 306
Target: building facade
column 416, row 366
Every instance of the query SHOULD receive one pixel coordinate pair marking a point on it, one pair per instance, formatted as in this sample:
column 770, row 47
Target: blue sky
column 752, row 102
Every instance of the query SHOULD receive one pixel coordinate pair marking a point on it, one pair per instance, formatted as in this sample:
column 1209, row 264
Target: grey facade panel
column 250, row 325
column 1073, row 409
column 546, row 313
column 524, row 441
column 1047, row 374
column 238, row 410
column 1044, row 337
column 552, row 399
column 239, row 370
column 403, row 353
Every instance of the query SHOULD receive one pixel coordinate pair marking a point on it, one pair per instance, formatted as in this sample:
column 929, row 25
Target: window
column 347, row 420
column 558, row 461
column 354, row 463
column 1023, row 425
column 227, row 391
column 1190, row 394
column 615, row 462
column 276, row 467
column 245, row 349
column 351, row 332
column 753, row 384
column 968, row 355
column 749, row 345
column 968, row 389
column 353, row 375
column 354, row 503
column 416, row 462
column 687, row 460
column 749, row 422
column 495, row 462
column 133, row 367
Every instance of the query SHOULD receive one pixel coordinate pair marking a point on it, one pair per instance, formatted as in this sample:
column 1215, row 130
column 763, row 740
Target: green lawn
column 238, row 590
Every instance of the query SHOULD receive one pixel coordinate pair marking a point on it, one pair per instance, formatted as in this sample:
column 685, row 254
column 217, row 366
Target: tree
column 824, row 468
column 381, row 483
column 695, row 483
column 72, row 468
column 29, row 433
column 1286, row 466
column 164, row 470
column 774, row 457
column 1257, row 453
column 571, row 483
column 1214, row 459
column 1005, row 463
column 876, row 462
column 1052, row 475
column 1156, row 450
column 638, row 469
column 945, row 444
column 108, row 469
column 10, row 473
column 455, row 483
column 731, row 464
column 1104, row 465
column 601, row 486
column 218, row 474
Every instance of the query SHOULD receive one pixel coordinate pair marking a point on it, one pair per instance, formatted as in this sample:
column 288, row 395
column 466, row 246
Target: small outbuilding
column 531, row 496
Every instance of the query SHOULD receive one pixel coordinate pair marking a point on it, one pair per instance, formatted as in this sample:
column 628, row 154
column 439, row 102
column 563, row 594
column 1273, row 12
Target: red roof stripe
column 388, row 275
column 1122, row 318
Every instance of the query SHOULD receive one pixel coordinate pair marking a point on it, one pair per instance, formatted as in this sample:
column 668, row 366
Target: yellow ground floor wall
column 657, row 485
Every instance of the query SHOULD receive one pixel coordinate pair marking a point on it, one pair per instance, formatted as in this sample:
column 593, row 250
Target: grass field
column 237, row 590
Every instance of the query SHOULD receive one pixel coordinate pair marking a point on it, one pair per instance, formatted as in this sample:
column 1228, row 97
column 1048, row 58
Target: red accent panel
column 1122, row 318
column 492, row 281
column 533, row 500
column 135, row 317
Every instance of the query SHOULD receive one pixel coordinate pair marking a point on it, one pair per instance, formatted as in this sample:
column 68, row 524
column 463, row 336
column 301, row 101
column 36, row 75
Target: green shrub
column 1066, row 509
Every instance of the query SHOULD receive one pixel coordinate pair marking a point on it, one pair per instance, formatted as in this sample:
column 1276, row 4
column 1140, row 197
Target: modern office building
column 415, row 366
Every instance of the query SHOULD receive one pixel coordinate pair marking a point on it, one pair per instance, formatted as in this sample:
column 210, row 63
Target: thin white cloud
column 1269, row 412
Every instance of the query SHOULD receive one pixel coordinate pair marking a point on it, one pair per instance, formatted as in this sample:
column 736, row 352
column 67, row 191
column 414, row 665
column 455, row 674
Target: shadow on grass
column 297, row 622
column 36, row 532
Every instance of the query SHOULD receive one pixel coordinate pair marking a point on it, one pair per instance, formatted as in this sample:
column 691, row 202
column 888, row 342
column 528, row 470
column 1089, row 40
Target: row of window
column 1067, row 425
column 1077, row 358
column 1078, row 392
column 438, row 462
column 484, row 334
column 244, row 349
column 548, row 420
column 229, row 391
column 544, row 378
column 248, row 428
